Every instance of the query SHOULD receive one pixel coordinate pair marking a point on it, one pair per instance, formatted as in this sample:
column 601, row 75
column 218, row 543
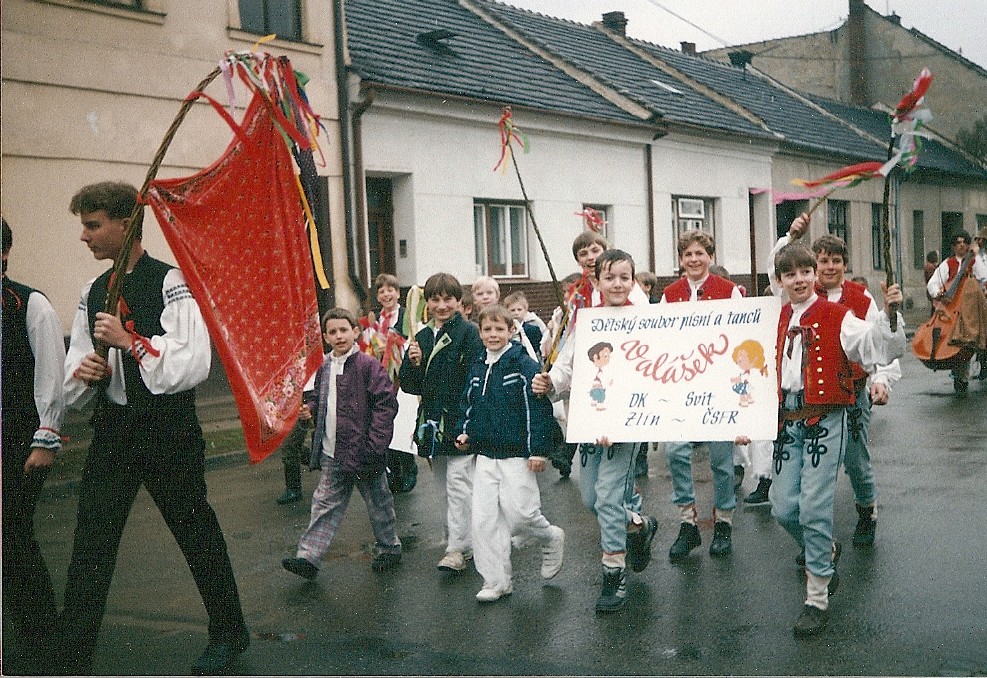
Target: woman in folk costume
column 385, row 337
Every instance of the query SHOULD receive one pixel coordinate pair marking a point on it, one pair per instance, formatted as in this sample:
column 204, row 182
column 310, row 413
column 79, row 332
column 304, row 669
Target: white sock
column 816, row 590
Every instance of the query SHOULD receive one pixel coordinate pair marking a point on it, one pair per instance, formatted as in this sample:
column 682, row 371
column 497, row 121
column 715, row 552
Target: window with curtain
column 501, row 239
column 263, row 17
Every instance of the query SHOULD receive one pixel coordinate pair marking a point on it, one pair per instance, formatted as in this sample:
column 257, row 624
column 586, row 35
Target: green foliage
column 974, row 139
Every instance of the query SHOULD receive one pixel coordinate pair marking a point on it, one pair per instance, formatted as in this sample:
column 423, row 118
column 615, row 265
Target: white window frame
column 513, row 244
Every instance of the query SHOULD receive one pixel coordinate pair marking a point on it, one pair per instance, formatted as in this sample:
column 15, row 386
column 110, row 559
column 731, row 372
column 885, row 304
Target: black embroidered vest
column 20, row 414
column 142, row 294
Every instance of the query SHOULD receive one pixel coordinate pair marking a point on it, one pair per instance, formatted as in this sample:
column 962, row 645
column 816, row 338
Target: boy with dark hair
column 353, row 406
column 145, row 432
column 606, row 480
column 817, row 342
column 510, row 431
column 696, row 251
column 435, row 367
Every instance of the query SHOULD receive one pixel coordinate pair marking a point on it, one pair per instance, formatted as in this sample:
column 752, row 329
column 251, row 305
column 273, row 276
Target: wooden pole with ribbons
column 122, row 262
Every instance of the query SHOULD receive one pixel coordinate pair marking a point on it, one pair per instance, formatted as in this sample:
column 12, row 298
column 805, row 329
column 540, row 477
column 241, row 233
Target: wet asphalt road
column 916, row 604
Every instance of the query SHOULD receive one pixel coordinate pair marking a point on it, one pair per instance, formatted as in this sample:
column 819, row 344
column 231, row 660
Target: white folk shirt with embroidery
column 335, row 369
column 868, row 343
column 184, row 350
column 44, row 335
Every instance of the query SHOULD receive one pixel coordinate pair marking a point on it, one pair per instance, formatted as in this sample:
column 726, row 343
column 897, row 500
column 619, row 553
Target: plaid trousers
column 332, row 496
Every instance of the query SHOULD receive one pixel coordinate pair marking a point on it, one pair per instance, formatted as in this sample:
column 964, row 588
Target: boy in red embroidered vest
column 353, row 405
column 696, row 250
column 606, row 480
column 817, row 342
column 872, row 388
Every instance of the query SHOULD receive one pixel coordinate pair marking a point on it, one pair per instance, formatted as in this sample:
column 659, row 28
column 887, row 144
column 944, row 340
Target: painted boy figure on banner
column 600, row 354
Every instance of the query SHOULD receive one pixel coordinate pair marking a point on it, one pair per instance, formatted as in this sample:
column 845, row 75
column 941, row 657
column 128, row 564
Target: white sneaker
column 452, row 561
column 551, row 554
column 489, row 594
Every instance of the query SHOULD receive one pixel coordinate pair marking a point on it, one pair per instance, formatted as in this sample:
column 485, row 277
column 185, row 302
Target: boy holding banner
column 606, row 480
column 817, row 341
column 696, row 250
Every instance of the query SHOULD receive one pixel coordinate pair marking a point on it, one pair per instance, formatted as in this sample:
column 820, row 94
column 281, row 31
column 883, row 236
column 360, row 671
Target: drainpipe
column 343, row 102
column 650, row 201
column 360, row 195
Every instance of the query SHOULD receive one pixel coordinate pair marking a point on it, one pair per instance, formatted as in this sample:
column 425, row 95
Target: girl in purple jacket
column 354, row 408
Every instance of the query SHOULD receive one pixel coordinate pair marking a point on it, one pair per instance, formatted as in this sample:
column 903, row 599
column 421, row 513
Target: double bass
column 932, row 343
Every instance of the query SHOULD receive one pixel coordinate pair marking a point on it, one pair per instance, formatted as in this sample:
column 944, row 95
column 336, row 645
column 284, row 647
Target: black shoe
column 738, row 476
column 759, row 497
column 722, row 544
column 301, row 567
column 960, row 385
column 687, row 540
column 385, row 561
column 863, row 535
column 834, row 581
column 290, row 497
column 811, row 621
column 613, row 593
column 218, row 656
column 639, row 544
column 800, row 558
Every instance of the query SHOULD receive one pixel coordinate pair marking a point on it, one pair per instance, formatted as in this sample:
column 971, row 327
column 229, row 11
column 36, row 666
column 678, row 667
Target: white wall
column 440, row 163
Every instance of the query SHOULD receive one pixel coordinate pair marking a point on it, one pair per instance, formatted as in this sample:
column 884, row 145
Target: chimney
column 688, row 47
column 857, row 48
column 740, row 58
column 616, row 22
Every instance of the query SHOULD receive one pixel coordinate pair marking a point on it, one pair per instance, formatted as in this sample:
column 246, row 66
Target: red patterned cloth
column 238, row 232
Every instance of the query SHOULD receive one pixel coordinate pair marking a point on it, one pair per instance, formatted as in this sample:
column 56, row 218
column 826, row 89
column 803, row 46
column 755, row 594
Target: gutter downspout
column 650, row 201
column 360, row 196
column 343, row 102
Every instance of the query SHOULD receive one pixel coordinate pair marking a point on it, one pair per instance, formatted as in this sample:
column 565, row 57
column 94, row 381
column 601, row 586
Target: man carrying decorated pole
column 145, row 432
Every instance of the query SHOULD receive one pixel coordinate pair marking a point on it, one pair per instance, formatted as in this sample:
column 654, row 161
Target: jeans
column 720, row 461
column 606, row 483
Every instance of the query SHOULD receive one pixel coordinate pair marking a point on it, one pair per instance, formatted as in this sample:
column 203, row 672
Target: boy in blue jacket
column 509, row 429
column 354, row 406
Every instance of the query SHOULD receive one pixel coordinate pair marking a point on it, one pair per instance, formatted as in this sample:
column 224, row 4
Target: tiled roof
column 802, row 125
column 478, row 62
column 593, row 51
column 934, row 156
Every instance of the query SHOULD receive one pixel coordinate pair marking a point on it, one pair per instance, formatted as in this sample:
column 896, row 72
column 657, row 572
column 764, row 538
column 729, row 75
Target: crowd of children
column 493, row 399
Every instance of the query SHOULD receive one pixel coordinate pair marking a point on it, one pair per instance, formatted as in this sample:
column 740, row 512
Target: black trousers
column 28, row 596
column 163, row 450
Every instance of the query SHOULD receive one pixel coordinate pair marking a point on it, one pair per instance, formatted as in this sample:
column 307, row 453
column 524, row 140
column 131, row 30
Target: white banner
column 690, row 371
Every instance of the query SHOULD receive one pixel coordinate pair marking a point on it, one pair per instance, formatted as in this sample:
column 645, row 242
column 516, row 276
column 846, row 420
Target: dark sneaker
column 811, row 621
column 687, row 540
column 639, row 544
column 290, row 496
column 759, row 497
column 738, row 476
column 613, row 592
column 385, row 561
column 863, row 535
column 218, row 656
column 834, row 581
column 301, row 567
column 722, row 544
column 960, row 385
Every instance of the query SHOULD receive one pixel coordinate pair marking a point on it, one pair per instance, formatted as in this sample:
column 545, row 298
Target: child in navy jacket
column 509, row 429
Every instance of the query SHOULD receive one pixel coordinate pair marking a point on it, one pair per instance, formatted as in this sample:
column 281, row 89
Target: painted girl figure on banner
column 600, row 354
column 749, row 356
